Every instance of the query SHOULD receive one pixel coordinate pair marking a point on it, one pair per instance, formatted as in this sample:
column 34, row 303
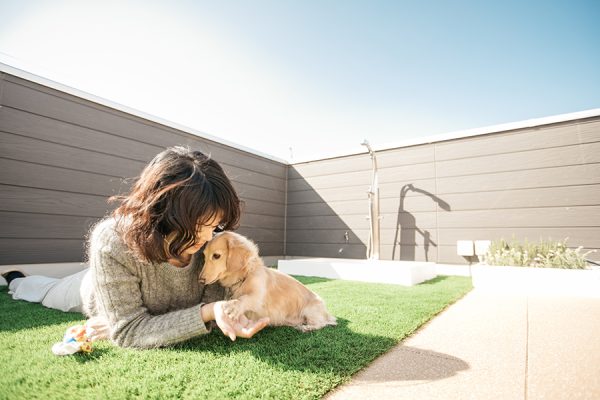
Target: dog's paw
column 233, row 309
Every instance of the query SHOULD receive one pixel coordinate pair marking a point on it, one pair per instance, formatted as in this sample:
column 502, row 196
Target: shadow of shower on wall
column 405, row 239
column 333, row 222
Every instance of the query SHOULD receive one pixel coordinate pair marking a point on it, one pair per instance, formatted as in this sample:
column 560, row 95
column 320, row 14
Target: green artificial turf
column 279, row 363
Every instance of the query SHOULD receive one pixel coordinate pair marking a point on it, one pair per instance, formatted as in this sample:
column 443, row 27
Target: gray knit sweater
column 146, row 304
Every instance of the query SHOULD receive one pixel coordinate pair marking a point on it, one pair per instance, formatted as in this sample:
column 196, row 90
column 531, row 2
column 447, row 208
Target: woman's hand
column 99, row 328
column 242, row 327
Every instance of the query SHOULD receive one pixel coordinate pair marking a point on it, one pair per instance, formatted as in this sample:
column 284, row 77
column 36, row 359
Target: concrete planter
column 405, row 273
column 544, row 281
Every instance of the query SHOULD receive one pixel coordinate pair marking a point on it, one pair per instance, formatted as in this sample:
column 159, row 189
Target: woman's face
column 203, row 235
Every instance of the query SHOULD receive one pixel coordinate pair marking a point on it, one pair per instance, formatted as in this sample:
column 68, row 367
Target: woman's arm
column 119, row 298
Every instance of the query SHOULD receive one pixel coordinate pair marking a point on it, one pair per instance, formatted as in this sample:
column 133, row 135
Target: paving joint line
column 526, row 346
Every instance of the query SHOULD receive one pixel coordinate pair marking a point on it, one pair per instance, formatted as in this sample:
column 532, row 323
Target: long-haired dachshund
column 257, row 291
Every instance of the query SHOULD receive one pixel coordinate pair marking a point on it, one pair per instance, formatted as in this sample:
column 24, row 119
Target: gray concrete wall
column 62, row 156
column 534, row 183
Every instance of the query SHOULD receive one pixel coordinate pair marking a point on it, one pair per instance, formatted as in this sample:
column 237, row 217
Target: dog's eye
column 216, row 256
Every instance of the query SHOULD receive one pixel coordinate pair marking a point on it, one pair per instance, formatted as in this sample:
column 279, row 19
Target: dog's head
column 228, row 258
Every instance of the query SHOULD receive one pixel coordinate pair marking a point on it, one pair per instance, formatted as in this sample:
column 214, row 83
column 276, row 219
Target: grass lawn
column 279, row 363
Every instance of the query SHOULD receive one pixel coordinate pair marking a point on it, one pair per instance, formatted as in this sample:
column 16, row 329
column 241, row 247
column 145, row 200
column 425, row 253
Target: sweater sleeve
column 119, row 298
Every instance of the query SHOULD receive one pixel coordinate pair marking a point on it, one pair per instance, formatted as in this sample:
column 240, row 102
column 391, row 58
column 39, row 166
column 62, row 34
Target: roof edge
column 25, row 73
column 505, row 127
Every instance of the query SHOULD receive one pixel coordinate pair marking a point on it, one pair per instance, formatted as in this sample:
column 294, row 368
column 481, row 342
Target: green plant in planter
column 545, row 254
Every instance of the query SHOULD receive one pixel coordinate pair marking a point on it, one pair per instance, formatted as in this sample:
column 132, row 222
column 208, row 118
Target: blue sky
column 317, row 76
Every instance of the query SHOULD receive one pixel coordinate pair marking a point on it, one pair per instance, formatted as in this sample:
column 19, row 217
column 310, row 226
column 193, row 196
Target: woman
column 142, row 288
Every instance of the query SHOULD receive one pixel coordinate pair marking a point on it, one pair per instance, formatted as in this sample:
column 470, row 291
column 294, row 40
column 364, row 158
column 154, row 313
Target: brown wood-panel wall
column 533, row 183
column 62, row 156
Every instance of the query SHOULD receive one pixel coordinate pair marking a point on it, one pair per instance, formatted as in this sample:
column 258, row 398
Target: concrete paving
column 492, row 346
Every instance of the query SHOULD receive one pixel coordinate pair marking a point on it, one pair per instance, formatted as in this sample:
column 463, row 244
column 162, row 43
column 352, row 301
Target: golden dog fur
column 257, row 291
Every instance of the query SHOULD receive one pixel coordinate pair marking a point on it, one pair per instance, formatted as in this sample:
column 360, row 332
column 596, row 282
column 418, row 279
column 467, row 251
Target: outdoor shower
column 373, row 193
column 407, row 273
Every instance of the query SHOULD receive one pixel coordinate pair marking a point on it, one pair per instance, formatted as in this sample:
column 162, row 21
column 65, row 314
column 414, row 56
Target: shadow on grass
column 437, row 279
column 19, row 314
column 336, row 350
column 96, row 354
column 307, row 280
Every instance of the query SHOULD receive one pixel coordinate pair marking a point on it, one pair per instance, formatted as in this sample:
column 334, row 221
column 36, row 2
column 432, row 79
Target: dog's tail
column 315, row 317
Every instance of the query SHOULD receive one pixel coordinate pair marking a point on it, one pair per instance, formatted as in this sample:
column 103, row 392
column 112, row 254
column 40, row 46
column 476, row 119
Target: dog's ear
column 238, row 254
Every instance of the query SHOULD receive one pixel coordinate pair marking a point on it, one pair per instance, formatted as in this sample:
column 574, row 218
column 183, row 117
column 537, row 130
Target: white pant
column 62, row 294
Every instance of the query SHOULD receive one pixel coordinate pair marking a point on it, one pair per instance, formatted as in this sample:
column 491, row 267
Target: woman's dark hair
column 176, row 192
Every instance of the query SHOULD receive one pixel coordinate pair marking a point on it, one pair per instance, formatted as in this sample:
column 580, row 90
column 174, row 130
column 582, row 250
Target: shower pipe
column 373, row 193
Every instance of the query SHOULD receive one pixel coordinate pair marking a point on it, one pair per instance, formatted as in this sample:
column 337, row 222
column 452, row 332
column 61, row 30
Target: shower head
column 368, row 146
